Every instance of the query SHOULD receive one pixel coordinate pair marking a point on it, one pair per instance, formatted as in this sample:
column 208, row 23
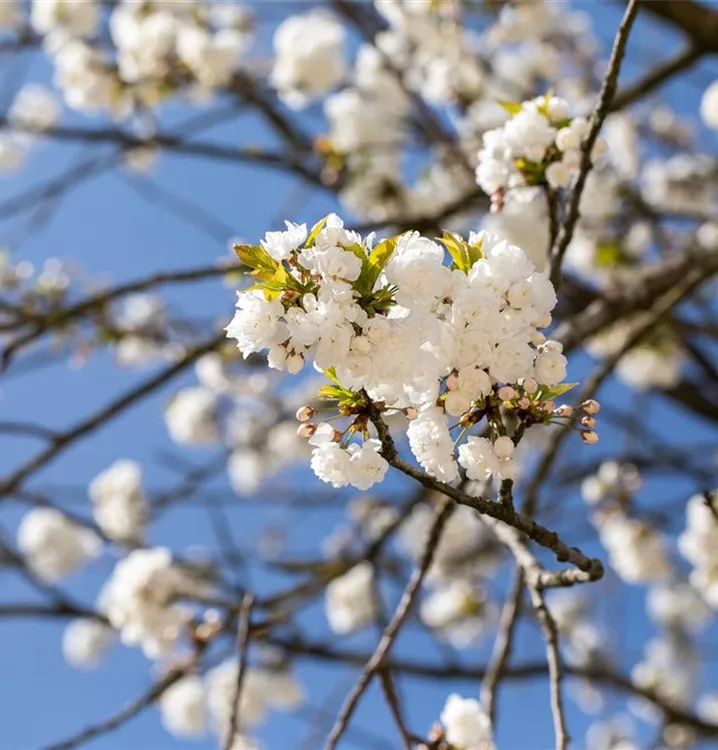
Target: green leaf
column 475, row 251
column 272, row 290
column 462, row 253
column 343, row 396
column 375, row 263
column 333, row 392
column 513, row 108
column 264, row 266
column 380, row 256
column 457, row 250
column 254, row 256
column 331, row 373
column 358, row 250
column 315, row 231
column 277, row 275
column 551, row 392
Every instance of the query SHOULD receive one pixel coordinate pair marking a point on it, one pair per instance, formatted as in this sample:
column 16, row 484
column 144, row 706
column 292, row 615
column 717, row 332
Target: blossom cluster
column 434, row 329
column 141, row 599
column 159, row 47
column 699, row 545
column 53, row 545
column 465, row 725
column 33, row 110
column 540, row 144
column 119, row 502
column 637, row 552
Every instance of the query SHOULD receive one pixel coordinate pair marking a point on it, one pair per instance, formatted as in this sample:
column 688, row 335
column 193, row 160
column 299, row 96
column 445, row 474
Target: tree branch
column 441, row 516
column 605, row 97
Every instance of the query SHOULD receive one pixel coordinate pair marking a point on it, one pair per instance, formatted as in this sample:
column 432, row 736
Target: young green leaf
column 315, row 231
column 513, row 108
column 375, row 263
column 331, row 373
column 475, row 251
column 250, row 255
column 552, row 392
column 457, row 250
column 263, row 265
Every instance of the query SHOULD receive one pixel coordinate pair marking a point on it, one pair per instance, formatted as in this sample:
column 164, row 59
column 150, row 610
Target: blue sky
column 111, row 231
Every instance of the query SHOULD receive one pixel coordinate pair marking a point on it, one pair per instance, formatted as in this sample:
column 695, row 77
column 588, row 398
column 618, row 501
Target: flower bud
column 588, row 421
column 564, row 411
column 410, row 412
column 306, row 430
column 305, row 413
column 591, row 406
column 590, row 437
column 507, row 393
column 553, row 346
column 295, row 363
column 529, row 385
column 544, row 321
column 548, row 406
column 524, row 403
column 537, row 338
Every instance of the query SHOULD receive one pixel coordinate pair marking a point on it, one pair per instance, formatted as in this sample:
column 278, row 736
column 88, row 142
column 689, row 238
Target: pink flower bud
column 590, row 437
column 305, row 413
column 529, row 385
column 524, row 403
column 295, row 362
column 591, row 406
column 548, row 406
column 410, row 412
column 564, row 411
column 507, row 393
column 306, row 430
column 588, row 421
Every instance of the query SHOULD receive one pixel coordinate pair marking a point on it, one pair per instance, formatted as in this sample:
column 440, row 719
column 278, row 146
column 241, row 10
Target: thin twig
column 591, row 567
column 599, row 672
column 657, row 77
column 502, row 647
column 693, row 266
column 111, row 410
column 392, row 699
column 605, row 97
column 443, row 511
column 243, row 630
column 553, row 221
column 535, row 578
column 555, row 671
